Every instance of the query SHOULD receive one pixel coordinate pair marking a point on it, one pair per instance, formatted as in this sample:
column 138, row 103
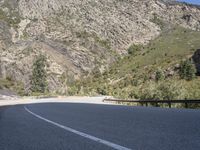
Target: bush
column 157, row 21
column 162, row 91
column 39, row 75
column 133, row 94
column 168, row 91
column 159, row 75
column 5, row 83
column 101, row 91
column 148, row 93
column 133, row 49
column 187, row 70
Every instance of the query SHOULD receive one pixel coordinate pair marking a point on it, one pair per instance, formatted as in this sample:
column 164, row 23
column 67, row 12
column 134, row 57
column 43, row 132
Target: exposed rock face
column 7, row 95
column 79, row 35
column 121, row 22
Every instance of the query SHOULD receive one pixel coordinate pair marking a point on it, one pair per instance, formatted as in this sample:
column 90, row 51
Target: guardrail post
column 186, row 105
column 157, row 104
column 170, row 106
column 146, row 104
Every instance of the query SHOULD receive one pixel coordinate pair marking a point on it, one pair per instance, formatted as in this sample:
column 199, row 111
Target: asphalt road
column 136, row 128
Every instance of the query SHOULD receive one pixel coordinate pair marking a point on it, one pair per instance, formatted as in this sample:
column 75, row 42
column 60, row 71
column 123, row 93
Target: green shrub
column 39, row 75
column 168, row 91
column 157, row 20
column 133, row 49
column 6, row 83
column 162, row 91
column 133, row 94
column 101, row 91
column 187, row 70
column 72, row 91
column 9, row 83
column 148, row 93
column 159, row 75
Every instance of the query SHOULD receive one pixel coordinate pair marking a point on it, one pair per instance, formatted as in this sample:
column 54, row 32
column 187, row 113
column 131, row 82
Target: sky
column 191, row 1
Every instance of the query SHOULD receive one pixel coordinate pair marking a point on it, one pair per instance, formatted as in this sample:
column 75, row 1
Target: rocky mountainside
column 80, row 36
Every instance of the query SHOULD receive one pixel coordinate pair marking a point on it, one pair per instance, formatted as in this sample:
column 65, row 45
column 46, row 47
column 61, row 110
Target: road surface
column 76, row 126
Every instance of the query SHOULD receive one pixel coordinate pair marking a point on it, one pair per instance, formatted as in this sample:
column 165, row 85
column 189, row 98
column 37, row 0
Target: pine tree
column 187, row 70
column 39, row 75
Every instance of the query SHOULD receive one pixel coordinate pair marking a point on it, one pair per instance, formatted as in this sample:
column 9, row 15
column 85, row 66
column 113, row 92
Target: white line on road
column 93, row 138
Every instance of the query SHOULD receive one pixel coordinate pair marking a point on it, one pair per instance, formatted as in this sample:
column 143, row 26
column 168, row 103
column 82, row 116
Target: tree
column 39, row 75
column 187, row 70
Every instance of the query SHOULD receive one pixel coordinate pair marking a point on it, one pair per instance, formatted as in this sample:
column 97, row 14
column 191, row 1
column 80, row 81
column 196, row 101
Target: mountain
column 80, row 37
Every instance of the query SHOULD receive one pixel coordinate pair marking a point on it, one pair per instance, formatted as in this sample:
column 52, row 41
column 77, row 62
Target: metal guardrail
column 155, row 102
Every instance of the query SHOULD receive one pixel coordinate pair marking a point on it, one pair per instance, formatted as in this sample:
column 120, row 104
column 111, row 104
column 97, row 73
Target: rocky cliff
column 78, row 36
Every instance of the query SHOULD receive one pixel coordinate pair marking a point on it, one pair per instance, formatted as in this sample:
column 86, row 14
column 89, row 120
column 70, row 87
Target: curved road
column 73, row 126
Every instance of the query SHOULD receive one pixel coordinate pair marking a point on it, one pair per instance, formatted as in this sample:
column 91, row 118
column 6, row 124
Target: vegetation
column 133, row 49
column 39, row 75
column 11, row 18
column 6, row 83
column 9, row 83
column 101, row 91
column 137, row 76
column 159, row 75
column 163, row 91
column 187, row 70
column 157, row 21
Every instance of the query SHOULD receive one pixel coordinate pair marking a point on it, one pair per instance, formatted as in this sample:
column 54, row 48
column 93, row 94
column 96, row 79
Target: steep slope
column 79, row 36
column 130, row 76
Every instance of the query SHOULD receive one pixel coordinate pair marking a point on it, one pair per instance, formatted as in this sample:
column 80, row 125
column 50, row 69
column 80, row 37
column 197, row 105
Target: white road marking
column 93, row 138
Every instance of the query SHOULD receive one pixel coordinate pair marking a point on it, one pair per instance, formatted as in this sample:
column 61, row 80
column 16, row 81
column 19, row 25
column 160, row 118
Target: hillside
column 135, row 74
column 81, row 37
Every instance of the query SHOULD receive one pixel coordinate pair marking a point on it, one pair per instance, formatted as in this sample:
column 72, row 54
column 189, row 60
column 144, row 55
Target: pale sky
column 191, row 1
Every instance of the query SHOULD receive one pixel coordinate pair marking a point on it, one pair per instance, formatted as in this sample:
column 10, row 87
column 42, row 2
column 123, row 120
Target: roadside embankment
column 61, row 99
